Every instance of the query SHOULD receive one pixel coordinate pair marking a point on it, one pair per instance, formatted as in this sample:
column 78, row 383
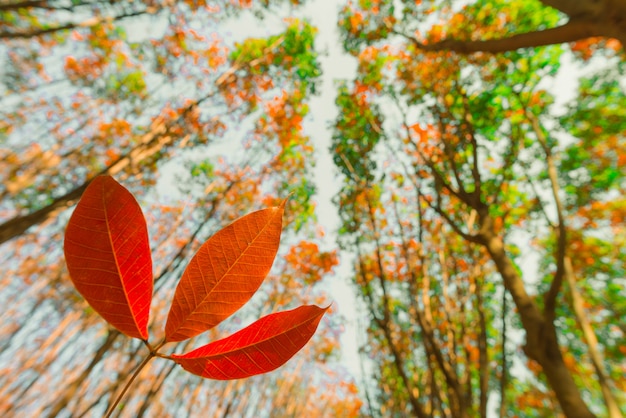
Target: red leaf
column 224, row 274
column 108, row 256
column 259, row 348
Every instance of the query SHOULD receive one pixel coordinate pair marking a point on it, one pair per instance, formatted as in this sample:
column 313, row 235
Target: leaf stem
column 130, row 381
column 167, row 356
column 153, row 350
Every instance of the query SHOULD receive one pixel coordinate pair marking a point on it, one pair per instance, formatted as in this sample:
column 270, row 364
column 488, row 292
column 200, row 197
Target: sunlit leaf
column 259, row 348
column 108, row 256
column 224, row 274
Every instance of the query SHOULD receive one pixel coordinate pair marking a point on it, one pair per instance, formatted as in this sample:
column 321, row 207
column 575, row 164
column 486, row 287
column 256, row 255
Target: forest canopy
column 478, row 156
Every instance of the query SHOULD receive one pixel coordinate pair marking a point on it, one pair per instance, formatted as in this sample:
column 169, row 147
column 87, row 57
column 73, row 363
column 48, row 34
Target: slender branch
column 544, row 211
column 71, row 389
column 507, row 163
column 504, row 368
column 448, row 368
column 483, row 359
column 364, row 381
column 128, row 383
column 450, row 153
column 157, row 384
column 379, row 261
column 557, row 281
column 450, row 371
column 469, row 127
column 476, row 239
column 439, row 180
column 366, row 283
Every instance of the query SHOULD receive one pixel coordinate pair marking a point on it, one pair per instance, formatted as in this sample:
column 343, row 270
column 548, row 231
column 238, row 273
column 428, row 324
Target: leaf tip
column 284, row 202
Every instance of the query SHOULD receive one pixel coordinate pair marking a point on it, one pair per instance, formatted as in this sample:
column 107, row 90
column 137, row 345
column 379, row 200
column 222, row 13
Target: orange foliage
column 586, row 48
column 98, row 120
column 310, row 263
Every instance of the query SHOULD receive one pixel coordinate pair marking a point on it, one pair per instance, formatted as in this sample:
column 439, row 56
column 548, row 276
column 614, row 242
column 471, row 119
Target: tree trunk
column 541, row 339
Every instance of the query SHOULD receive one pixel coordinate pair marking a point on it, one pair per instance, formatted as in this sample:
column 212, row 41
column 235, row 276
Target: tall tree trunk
column 541, row 338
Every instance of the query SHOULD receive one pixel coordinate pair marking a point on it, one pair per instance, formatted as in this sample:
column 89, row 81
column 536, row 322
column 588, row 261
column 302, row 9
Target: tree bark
column 23, row 5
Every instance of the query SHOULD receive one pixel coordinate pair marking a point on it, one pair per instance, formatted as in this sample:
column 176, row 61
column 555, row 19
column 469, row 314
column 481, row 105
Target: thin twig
column 153, row 353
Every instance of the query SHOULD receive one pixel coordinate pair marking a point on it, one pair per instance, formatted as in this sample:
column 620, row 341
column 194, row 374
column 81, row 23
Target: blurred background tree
column 486, row 217
column 144, row 91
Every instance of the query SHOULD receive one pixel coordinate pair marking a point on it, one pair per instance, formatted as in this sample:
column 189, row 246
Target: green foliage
column 202, row 168
column 126, row 86
column 294, row 52
column 597, row 118
column 357, row 132
column 467, row 145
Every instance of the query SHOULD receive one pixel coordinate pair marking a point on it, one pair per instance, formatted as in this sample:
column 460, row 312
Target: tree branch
column 43, row 4
column 471, row 238
column 483, row 358
column 430, row 343
column 557, row 281
column 504, row 368
column 71, row 389
column 35, row 32
column 572, row 31
column 575, row 8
